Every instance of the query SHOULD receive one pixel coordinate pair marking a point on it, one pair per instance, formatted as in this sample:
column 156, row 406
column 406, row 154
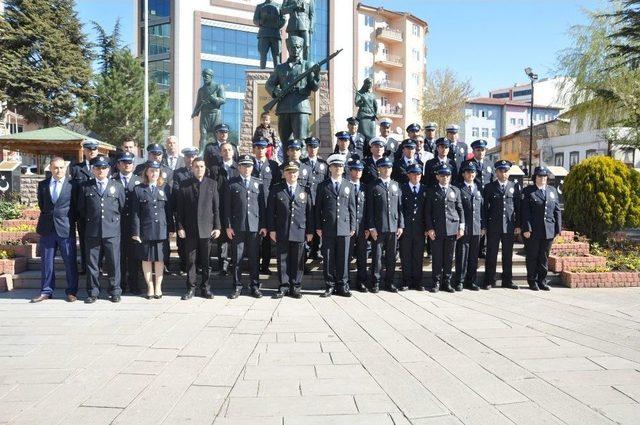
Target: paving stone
column 340, row 386
column 559, row 364
column 343, row 358
column 120, row 391
column 143, row 367
column 439, row 420
column 27, row 392
column 244, row 388
column 92, row 416
column 198, row 405
column 596, row 395
column 264, row 420
column 594, row 377
column 279, row 388
column 379, row 419
column 294, row 347
column 292, row 406
column 528, row 413
column 375, row 403
column 624, row 414
column 341, row 372
column 613, row 362
column 632, row 391
column 276, row 371
column 295, row 359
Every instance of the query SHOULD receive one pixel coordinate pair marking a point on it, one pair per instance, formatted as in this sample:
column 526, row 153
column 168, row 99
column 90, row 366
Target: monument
column 300, row 21
column 269, row 20
column 208, row 102
column 365, row 100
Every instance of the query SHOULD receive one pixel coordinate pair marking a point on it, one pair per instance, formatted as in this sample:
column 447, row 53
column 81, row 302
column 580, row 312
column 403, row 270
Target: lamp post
column 533, row 77
column 146, row 74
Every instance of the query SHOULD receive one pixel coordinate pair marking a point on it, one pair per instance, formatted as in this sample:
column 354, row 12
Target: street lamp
column 533, row 78
column 146, row 74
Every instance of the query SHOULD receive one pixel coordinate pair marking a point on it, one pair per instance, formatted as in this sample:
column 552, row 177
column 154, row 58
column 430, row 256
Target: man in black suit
column 198, row 220
column 358, row 246
column 56, row 227
column 181, row 175
column 445, row 224
column 318, row 173
column 244, row 223
column 335, row 221
column 385, row 223
column 412, row 241
column 357, row 143
column 467, row 246
column 502, row 215
column 80, row 173
column 290, row 223
column 441, row 158
column 129, row 264
column 101, row 202
column 541, row 223
column 212, row 151
column 268, row 172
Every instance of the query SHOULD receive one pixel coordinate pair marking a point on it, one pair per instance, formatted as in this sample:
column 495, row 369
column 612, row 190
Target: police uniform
column 370, row 170
column 81, row 173
column 357, row 140
column 291, row 218
column 467, row 247
column 211, row 153
column 411, row 128
column 444, row 215
column 165, row 172
column 459, row 150
column 384, row 215
column 304, row 171
column 429, row 178
column 412, row 241
column 268, row 172
column 391, row 147
column 244, row 213
column 430, row 144
column 335, row 216
column 102, row 210
column 541, row 217
column 129, row 264
column 502, row 212
column 319, row 172
column 358, row 246
column 344, row 135
column 402, row 164
column 152, row 220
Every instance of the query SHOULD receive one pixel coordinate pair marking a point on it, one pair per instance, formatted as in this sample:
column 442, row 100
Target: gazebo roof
column 50, row 141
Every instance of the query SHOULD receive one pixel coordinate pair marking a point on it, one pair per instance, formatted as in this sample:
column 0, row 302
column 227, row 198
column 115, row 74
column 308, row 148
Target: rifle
column 287, row 90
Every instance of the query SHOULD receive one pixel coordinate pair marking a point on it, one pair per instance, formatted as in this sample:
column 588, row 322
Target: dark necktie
column 291, row 191
column 258, row 166
column 337, row 187
column 415, row 190
column 444, row 192
column 124, row 181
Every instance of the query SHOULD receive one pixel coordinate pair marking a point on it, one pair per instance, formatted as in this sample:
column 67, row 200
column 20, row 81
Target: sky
column 489, row 42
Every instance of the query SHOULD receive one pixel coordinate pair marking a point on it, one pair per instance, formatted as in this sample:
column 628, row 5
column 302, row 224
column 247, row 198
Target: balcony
column 389, row 34
column 390, row 61
column 386, row 86
column 391, row 111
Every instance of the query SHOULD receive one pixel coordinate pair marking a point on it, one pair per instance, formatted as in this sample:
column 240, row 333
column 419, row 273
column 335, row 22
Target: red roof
column 502, row 102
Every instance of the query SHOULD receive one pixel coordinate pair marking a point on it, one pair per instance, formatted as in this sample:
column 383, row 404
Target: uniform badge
column 461, row 150
column 255, row 184
column 489, row 169
column 452, row 195
column 346, row 190
column 304, row 171
column 267, row 169
column 161, row 193
column 511, row 190
column 321, row 167
column 164, row 175
column 394, row 188
column 137, row 182
column 112, row 190
column 303, row 195
column 552, row 195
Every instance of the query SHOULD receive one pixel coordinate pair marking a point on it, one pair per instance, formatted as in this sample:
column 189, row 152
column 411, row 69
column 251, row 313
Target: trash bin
column 556, row 179
column 10, row 177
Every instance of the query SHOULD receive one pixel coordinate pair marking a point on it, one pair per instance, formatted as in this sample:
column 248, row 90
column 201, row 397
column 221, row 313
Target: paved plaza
column 496, row 357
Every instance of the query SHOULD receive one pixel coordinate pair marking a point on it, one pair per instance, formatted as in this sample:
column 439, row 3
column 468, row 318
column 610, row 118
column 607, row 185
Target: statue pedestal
column 321, row 123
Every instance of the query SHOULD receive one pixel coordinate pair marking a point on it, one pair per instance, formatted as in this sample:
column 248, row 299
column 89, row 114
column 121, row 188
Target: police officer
column 402, row 164
column 422, row 155
column 293, row 155
column 155, row 153
column 444, row 220
column 459, row 149
column 467, row 246
column 335, row 220
column 244, row 222
column 268, row 172
column 290, row 223
column 413, row 131
column 357, row 142
column 212, row 155
column 541, row 223
column 80, row 173
column 319, row 172
column 441, row 158
column 100, row 203
column 430, row 137
column 343, row 144
column 385, row 223
column 129, row 264
column 502, row 212
column 181, row 175
column 358, row 246
column 391, row 144
column 370, row 163
column 412, row 241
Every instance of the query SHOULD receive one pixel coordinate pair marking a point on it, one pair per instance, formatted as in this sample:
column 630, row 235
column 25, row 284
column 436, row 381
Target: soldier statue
column 300, row 21
column 365, row 100
column 268, row 18
column 210, row 98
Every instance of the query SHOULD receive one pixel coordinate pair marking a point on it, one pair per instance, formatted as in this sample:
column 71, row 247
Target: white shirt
column 125, row 176
column 172, row 161
column 415, row 187
column 333, row 182
column 292, row 188
column 408, row 161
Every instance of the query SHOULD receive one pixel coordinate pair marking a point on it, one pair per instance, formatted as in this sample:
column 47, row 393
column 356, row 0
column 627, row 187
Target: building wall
column 547, row 92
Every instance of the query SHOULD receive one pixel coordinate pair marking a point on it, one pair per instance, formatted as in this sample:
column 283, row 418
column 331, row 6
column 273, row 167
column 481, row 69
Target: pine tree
column 116, row 110
column 625, row 39
column 45, row 59
column 108, row 44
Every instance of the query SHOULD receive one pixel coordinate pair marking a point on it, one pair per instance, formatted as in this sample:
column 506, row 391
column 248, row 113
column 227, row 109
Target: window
column 157, row 9
column 159, row 72
column 416, row 104
column 368, row 46
column 522, row 93
column 416, row 78
column 474, row 132
column 320, row 39
column 490, row 114
column 369, row 21
column 228, row 42
column 558, row 160
column 15, row 128
column 512, row 121
column 493, row 133
column 159, row 39
column 483, row 113
column 367, row 72
column 537, row 117
column 574, row 158
column 500, row 95
column 415, row 54
column 485, row 132
column 230, row 75
column 591, row 152
column 520, row 121
column 415, row 30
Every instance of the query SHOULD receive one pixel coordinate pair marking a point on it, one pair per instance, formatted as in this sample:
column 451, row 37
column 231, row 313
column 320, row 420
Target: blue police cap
column 353, row 120
column 295, row 144
column 90, row 144
column 100, row 161
column 443, row 169
column 384, row 162
column 469, row 166
column 414, row 168
column 153, row 164
column 479, row 144
column 409, row 144
column 314, row 142
column 541, row 171
column 154, row 148
column 260, row 143
column 355, row 165
column 222, row 128
column 413, row 127
column 444, row 142
column 190, row 151
column 377, row 141
column 127, row 157
column 502, row 164
column 342, row 135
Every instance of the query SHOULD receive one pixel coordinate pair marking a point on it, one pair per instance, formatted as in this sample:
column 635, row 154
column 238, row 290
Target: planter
column 18, row 237
column 600, row 280
column 28, row 250
column 567, row 234
column 577, row 249
column 13, row 266
column 31, row 214
column 558, row 263
column 6, row 283
column 19, row 222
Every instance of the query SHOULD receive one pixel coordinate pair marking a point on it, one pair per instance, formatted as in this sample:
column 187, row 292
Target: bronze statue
column 210, row 98
column 301, row 14
column 367, row 109
column 269, row 20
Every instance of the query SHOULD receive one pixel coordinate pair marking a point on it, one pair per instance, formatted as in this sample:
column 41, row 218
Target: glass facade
column 159, row 39
column 157, row 9
column 228, row 42
column 230, row 75
column 160, row 73
column 320, row 36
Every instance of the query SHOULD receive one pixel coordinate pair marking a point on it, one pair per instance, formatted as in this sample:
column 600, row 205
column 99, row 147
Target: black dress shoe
column 149, row 297
column 447, row 288
column 458, row 288
column 361, row 288
column 135, row 291
column 115, row 298
column 223, row 273
column 90, row 300
column 544, row 287
column 510, row 285
column 188, row 295
column 256, row 292
column 327, row 293
column 158, row 297
column 235, row 294
column 82, row 272
column 307, row 271
column 482, row 255
column 419, row 288
column 403, row 288
column 281, row 293
column 206, row 294
column 485, row 286
column 433, row 289
column 472, row 287
column 534, row 286
column 392, row 288
column 374, row 289
column 342, row 292
column 295, row 293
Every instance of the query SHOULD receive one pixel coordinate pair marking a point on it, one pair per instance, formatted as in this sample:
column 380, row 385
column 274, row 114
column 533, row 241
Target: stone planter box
column 577, row 249
column 600, row 280
column 6, row 283
column 25, row 237
column 567, row 234
column 13, row 266
column 31, row 214
column 19, row 222
column 558, row 264
column 28, row 250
